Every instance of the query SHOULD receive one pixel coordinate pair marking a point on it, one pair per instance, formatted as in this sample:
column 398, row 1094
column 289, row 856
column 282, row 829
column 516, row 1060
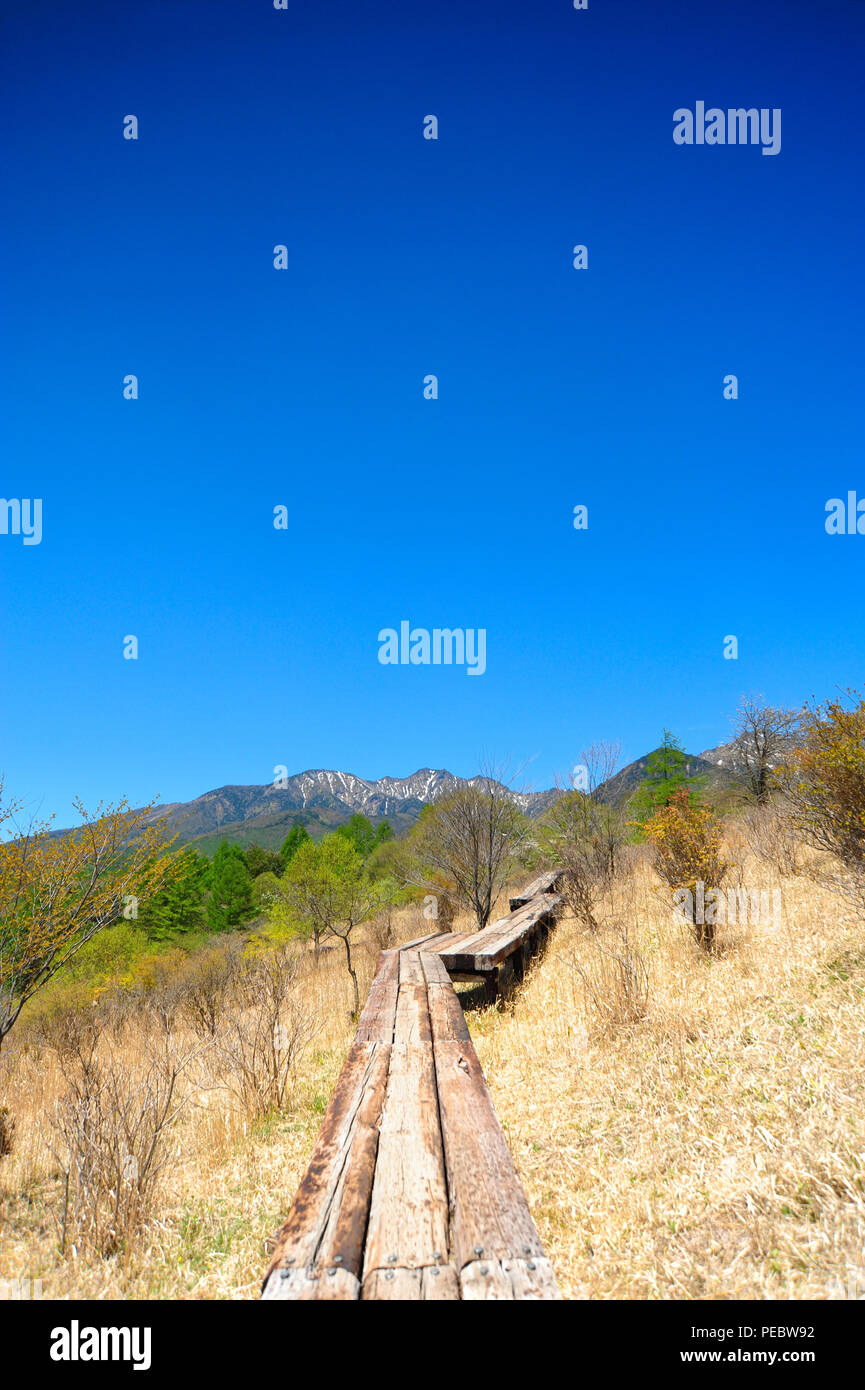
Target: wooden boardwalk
column 411, row 1192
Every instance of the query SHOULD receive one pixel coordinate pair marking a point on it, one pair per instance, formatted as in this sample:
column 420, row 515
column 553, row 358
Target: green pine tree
column 383, row 832
column 297, row 836
column 231, row 901
column 666, row 771
column 179, row 907
column 263, row 861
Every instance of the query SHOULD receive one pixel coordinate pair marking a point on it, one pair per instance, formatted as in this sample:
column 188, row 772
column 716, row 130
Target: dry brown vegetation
column 687, row 1125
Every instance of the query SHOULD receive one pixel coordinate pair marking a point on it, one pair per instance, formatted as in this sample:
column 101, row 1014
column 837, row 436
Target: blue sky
column 557, row 387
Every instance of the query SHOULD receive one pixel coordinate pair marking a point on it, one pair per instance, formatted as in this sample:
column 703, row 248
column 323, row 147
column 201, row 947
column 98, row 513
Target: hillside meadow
column 685, row 1125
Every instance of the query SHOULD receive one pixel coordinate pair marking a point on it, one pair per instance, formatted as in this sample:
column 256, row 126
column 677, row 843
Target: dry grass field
column 703, row 1137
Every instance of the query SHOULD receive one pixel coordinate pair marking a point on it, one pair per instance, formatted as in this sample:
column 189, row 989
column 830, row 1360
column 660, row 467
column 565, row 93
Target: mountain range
column 323, row 799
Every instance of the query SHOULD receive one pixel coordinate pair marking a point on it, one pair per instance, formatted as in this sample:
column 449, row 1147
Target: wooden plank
column 326, row 1225
column 434, row 969
column 376, row 1023
column 377, row 1018
column 544, row 883
column 408, row 1215
column 495, row 951
column 410, row 968
column 449, row 942
column 461, row 955
column 387, row 968
column 490, row 1217
column 438, row 1283
column 412, row 1024
column 489, row 948
column 447, row 1020
column 509, row 1279
column 299, row 1286
column 423, row 941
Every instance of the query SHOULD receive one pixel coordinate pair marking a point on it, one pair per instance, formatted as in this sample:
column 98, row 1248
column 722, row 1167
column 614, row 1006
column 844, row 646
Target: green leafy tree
column 266, row 890
column 360, row 833
column 297, row 836
column 231, row 902
column 327, row 892
column 383, row 832
column 179, row 907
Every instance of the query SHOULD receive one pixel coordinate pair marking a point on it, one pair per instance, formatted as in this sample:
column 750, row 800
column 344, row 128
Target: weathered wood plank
column 411, row 1192
column 447, row 1020
column 326, row 1225
column 450, row 939
column 300, row 1286
column 490, row 1217
column 509, row 942
column 387, row 968
column 517, row 1279
column 434, row 1283
column 434, row 969
column 544, row 883
column 408, row 1216
column 424, row 942
column 412, row 1023
column 486, row 949
column 377, row 1017
column 410, row 968
column 379, row 1013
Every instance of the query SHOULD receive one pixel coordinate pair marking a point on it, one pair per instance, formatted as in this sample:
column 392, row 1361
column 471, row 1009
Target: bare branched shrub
column 110, row 1134
column 382, row 929
column 70, row 1028
column 764, row 737
column 7, row 1131
column 614, row 977
column 259, row 1045
column 209, row 979
column 161, row 993
column 584, row 835
column 770, row 836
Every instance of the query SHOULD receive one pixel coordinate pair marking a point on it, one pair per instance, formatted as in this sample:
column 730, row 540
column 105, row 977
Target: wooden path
column 411, row 1192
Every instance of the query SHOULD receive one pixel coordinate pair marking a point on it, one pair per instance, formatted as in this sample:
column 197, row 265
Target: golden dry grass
column 713, row 1149
column 716, row 1149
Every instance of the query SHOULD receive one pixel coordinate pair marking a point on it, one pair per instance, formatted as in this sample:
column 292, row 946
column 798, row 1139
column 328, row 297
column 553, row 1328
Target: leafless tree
column 584, row 835
column 764, row 738
column 465, row 845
